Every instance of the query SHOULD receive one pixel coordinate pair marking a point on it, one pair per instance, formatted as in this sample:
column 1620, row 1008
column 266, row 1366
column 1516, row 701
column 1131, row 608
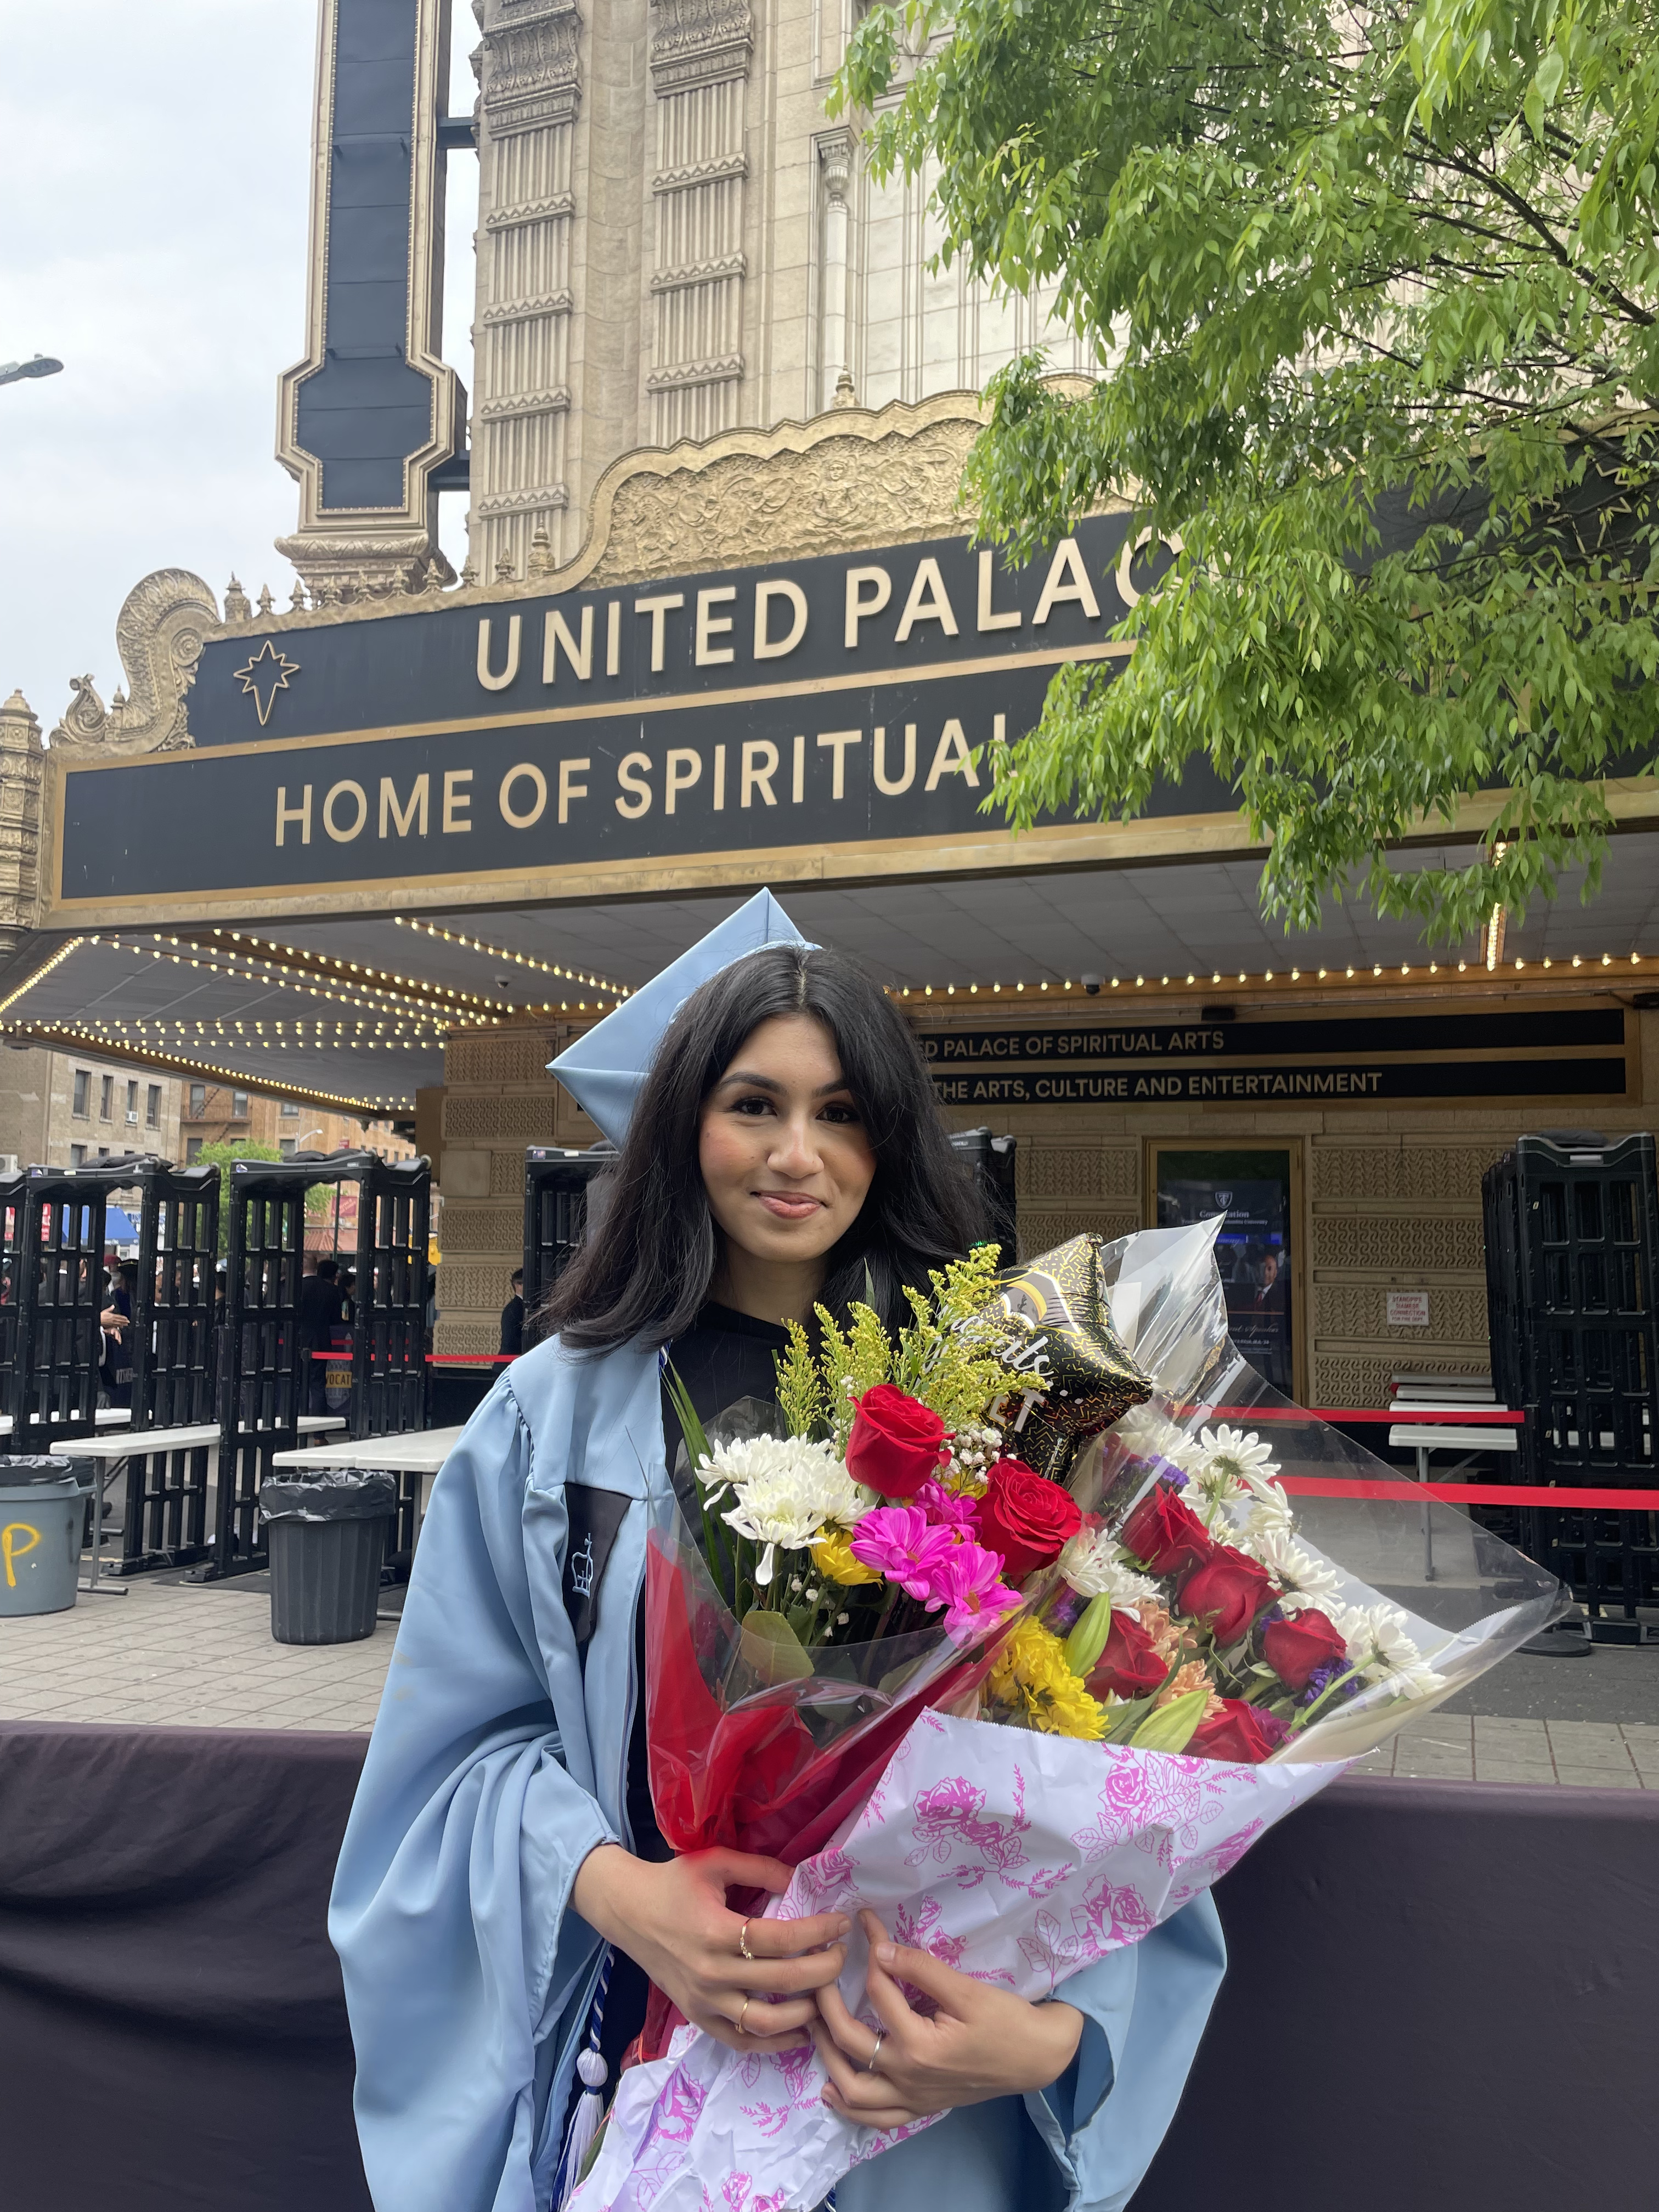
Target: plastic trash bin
column 41, row 1506
column 326, row 1534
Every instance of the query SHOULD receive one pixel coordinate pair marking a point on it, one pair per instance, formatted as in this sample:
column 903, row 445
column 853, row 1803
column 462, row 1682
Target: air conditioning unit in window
column 132, row 1119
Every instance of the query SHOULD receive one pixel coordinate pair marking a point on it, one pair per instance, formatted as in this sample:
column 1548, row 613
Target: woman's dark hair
column 646, row 1265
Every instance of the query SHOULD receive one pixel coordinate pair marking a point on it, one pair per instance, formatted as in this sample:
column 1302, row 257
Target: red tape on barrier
column 1474, row 1493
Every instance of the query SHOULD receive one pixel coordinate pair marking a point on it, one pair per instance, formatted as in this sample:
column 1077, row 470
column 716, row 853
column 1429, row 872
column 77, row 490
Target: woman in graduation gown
column 781, row 1145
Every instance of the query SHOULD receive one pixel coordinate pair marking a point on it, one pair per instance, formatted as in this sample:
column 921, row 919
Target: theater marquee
column 817, row 718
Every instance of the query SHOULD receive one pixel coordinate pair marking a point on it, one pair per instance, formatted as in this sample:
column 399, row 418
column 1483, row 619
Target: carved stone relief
column 19, row 822
column 159, row 634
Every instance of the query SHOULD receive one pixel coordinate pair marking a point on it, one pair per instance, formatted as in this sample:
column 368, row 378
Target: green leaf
column 1088, row 1637
column 1170, row 1727
column 772, row 1648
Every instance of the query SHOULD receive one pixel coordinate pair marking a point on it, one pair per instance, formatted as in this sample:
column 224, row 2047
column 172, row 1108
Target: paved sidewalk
column 189, row 1656
column 201, row 1655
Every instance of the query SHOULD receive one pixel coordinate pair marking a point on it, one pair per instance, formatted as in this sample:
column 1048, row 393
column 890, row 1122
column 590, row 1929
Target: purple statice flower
column 1277, row 1728
column 1064, row 1610
column 968, row 1583
column 899, row 1542
column 1321, row 1678
column 947, row 1511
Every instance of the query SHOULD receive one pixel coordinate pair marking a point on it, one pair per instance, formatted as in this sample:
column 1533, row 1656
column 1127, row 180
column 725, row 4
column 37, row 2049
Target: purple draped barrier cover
column 1441, row 1995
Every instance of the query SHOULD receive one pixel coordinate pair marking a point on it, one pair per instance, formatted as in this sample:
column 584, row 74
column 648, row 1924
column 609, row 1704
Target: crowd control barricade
column 55, row 1342
column 379, row 1370
column 174, row 1362
column 991, row 1162
column 555, row 1212
column 11, row 1230
column 1572, row 1254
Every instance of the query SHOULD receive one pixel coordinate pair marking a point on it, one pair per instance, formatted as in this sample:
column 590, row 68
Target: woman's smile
column 788, row 1205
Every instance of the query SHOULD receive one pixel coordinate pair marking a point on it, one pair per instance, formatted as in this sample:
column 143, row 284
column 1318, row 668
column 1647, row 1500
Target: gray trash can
column 327, row 1533
column 41, row 1506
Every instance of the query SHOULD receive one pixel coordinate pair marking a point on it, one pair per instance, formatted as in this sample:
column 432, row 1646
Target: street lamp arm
column 14, row 371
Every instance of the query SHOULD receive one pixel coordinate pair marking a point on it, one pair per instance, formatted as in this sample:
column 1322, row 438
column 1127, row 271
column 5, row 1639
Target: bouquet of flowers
column 1168, row 1659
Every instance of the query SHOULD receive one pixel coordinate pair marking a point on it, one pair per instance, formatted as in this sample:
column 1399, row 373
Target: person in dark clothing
column 512, row 1318
column 321, row 1304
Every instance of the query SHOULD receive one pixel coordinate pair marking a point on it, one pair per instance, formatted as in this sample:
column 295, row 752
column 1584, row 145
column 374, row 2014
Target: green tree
column 1375, row 294
column 220, row 1155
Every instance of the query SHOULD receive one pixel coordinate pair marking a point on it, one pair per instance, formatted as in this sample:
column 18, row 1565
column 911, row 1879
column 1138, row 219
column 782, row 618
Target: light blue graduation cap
column 603, row 1071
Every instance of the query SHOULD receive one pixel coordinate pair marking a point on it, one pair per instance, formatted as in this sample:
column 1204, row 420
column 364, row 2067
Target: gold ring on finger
column 743, row 2010
column 744, row 1950
column 870, row 2066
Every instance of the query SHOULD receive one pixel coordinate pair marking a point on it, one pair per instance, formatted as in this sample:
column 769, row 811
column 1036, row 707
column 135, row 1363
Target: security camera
column 1092, row 985
column 504, row 983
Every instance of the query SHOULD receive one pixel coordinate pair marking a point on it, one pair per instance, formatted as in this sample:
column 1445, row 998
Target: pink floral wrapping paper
column 1017, row 1858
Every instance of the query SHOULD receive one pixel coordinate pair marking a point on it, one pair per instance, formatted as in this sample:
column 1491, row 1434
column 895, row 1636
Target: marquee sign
column 830, row 713
column 1549, row 1053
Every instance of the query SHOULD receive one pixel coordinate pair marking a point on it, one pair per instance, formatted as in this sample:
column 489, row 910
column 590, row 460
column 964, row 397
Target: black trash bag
column 34, row 1466
column 343, row 1493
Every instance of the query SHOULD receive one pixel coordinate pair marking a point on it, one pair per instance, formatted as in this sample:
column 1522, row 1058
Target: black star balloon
column 1058, row 1303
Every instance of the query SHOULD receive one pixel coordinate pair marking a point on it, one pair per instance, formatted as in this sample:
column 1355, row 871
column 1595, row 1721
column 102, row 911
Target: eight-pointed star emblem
column 264, row 676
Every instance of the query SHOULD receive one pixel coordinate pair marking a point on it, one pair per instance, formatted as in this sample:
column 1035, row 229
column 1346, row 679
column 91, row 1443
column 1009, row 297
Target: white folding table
column 1425, row 1439
column 416, row 1451
column 106, row 1452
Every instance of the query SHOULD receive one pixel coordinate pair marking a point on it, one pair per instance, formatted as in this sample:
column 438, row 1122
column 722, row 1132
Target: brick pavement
column 201, row 1655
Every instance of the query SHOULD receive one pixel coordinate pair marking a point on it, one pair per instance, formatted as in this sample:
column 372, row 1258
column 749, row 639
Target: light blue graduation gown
column 497, row 1763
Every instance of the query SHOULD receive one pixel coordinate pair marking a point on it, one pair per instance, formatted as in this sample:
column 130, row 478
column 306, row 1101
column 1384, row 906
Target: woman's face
column 785, row 1156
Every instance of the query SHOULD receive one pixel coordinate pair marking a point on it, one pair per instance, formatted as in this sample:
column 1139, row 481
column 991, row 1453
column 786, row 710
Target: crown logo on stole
column 581, row 1569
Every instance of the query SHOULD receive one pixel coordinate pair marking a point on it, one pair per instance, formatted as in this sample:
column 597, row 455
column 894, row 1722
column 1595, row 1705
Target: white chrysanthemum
column 1270, row 1508
column 1091, row 1567
column 1377, row 1641
column 1236, row 1453
column 1295, row 1572
column 1149, row 1434
column 783, row 1490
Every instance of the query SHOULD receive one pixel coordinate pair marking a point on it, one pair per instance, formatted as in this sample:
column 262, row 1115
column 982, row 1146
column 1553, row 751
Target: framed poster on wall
column 1257, row 1191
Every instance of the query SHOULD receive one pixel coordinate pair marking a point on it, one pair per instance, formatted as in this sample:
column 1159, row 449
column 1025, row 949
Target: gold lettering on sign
column 683, row 768
column 712, row 625
column 613, row 638
column 1067, row 578
column 798, row 780
column 404, row 816
column 769, row 648
column 720, row 779
column 357, row 792
column 285, row 814
column 892, row 787
column 569, row 786
column 664, row 603
column 839, row 740
column 951, row 757
column 760, row 765
column 526, row 772
column 630, row 777
column 555, row 632
column 928, row 601
column 860, row 608
column 498, row 682
column 1009, row 618
column 457, row 802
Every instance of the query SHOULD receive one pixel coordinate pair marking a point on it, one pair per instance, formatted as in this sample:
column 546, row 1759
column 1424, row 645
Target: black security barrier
column 556, row 1203
column 1573, row 1259
column 11, row 1231
column 173, row 1360
column 991, row 1161
column 380, row 1369
column 54, row 1343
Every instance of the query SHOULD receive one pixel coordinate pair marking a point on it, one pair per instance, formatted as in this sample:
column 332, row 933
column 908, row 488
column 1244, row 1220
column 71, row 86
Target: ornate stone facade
column 19, row 822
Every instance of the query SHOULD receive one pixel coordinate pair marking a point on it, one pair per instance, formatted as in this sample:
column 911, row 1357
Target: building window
column 192, row 1150
column 103, row 1151
column 132, row 1104
column 198, row 1101
column 286, row 1145
column 82, row 1088
column 77, row 1156
column 153, row 1106
column 105, row 1098
column 239, row 1105
column 290, row 1110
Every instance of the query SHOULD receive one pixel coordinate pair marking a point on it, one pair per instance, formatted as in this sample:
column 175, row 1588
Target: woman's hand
column 672, row 1920
column 980, row 2042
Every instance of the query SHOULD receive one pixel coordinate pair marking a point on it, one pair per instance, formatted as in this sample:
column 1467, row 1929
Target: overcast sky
column 153, row 237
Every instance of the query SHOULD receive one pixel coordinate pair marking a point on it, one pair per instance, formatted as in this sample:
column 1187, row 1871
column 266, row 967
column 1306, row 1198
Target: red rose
column 1228, row 1590
column 1242, row 1733
column 1025, row 1517
column 1167, row 1534
column 1294, row 1648
column 897, row 1443
column 1128, row 1667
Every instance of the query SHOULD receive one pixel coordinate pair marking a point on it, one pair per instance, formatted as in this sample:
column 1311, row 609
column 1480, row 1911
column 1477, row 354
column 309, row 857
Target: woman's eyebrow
column 768, row 1083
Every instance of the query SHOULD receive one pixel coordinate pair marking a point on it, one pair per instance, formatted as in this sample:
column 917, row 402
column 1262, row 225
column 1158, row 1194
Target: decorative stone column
column 21, row 763
column 836, row 178
column 530, row 78
column 700, row 56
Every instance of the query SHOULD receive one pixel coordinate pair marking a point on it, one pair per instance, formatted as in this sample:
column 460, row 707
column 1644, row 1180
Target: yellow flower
column 1032, row 1677
column 832, row 1554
